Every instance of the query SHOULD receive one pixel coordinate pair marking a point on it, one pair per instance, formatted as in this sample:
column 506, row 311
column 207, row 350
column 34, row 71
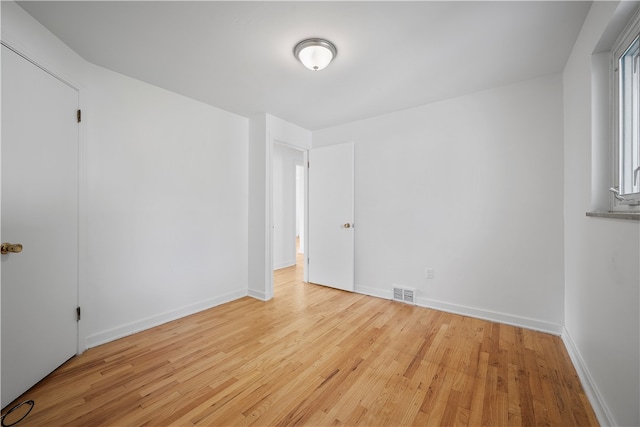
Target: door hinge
column 308, row 163
column 79, row 115
column 78, row 313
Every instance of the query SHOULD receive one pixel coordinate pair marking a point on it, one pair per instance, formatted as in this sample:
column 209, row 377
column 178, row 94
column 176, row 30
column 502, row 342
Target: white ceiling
column 391, row 55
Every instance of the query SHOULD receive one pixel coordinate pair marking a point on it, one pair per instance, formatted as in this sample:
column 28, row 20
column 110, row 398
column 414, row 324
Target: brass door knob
column 5, row 248
column 347, row 225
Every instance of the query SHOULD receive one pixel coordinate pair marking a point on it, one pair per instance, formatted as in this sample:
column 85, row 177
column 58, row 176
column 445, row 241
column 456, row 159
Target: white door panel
column 40, row 211
column 331, row 216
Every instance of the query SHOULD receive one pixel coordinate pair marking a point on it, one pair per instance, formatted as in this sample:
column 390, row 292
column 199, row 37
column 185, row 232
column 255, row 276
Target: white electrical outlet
column 430, row 273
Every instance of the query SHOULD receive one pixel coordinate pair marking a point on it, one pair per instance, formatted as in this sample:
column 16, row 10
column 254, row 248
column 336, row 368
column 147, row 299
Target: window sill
column 634, row 216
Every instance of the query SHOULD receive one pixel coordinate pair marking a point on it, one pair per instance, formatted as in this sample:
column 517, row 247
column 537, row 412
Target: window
column 626, row 189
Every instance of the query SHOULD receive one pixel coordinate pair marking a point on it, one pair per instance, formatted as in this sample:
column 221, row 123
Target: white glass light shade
column 315, row 54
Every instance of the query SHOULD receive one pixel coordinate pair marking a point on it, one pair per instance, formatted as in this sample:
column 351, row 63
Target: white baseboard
column 284, row 264
column 605, row 418
column 494, row 316
column 150, row 322
column 257, row 295
column 373, row 292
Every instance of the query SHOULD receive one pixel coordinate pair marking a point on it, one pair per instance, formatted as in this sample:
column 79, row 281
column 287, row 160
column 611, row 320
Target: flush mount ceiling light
column 315, row 54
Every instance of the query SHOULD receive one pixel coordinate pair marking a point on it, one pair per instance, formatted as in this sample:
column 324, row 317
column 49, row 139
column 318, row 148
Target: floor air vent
column 403, row 294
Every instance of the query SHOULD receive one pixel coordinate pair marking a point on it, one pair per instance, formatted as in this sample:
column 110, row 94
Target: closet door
column 39, row 224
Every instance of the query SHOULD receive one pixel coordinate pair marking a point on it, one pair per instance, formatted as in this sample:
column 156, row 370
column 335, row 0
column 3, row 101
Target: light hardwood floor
column 318, row 356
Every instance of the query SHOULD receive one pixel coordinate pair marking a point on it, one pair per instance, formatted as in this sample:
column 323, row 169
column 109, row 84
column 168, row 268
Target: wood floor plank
column 317, row 356
column 477, row 400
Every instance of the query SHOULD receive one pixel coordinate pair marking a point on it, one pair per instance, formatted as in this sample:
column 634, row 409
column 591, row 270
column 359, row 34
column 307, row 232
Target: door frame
column 269, row 245
column 268, row 214
column 55, row 72
column 304, row 153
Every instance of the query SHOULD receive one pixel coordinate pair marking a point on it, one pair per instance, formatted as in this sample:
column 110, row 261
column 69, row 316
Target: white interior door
column 39, row 211
column 331, row 215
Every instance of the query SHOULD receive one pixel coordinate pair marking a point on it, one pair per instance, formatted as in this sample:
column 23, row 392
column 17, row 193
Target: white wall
column 266, row 130
column 163, row 194
column 29, row 37
column 285, row 160
column 259, row 263
column 471, row 187
column 602, row 256
column 167, row 205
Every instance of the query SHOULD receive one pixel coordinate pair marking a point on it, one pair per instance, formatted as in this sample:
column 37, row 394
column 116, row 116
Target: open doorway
column 288, row 203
